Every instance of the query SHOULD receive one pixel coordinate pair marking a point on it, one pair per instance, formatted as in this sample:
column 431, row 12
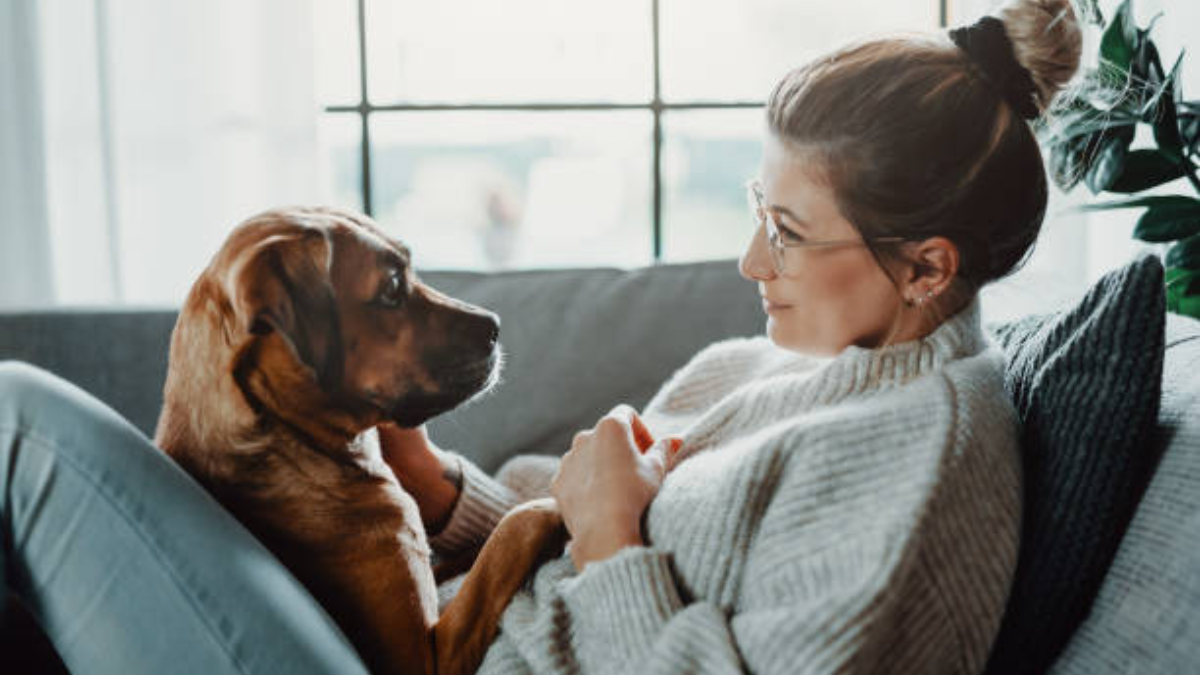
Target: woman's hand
column 605, row 482
column 432, row 478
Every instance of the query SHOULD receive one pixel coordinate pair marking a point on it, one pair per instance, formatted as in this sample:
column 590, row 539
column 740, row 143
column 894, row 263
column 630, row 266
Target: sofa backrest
column 117, row 355
column 580, row 342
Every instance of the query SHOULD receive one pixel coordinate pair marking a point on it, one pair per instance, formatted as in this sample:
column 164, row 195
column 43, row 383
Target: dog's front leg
column 527, row 535
column 385, row 601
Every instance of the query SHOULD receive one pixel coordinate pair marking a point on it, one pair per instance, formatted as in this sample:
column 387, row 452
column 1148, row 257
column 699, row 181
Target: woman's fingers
column 580, row 436
column 642, row 437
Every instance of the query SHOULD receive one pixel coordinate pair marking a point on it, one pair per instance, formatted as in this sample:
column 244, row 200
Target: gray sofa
column 580, row 341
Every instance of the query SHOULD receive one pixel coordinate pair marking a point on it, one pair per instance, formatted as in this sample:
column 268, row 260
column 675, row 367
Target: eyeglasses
column 784, row 244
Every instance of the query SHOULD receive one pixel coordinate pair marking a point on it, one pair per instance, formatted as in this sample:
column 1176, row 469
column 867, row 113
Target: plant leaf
column 1183, row 291
column 1074, row 153
column 1189, row 132
column 1109, row 165
column 1117, row 43
column 1063, row 167
column 1145, row 65
column 1145, row 169
column 1166, row 121
column 1071, row 160
column 1090, row 9
column 1162, row 86
column 1078, row 123
column 1185, row 253
column 1168, row 223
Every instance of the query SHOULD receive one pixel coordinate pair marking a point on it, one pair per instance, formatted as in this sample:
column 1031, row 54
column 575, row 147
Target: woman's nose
column 755, row 263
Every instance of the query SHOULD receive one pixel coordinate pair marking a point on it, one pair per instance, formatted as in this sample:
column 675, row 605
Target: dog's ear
column 283, row 286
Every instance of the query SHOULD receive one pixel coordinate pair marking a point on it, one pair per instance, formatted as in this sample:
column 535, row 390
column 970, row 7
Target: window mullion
column 364, row 110
column 656, row 107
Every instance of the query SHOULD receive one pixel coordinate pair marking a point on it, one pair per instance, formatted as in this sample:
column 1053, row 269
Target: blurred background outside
column 525, row 133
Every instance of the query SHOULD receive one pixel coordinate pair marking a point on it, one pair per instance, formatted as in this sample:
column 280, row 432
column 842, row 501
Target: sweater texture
column 853, row 514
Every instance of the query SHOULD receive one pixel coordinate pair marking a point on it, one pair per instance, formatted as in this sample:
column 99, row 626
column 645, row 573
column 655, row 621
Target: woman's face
column 829, row 298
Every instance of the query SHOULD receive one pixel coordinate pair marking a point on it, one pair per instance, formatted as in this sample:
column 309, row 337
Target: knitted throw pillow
column 1086, row 384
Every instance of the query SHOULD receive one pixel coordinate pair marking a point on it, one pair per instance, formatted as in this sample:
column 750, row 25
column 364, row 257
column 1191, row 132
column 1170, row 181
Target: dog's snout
column 490, row 327
column 473, row 321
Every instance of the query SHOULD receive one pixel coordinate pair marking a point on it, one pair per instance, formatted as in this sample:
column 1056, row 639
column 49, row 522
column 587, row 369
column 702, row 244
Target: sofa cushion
column 1086, row 385
column 1146, row 618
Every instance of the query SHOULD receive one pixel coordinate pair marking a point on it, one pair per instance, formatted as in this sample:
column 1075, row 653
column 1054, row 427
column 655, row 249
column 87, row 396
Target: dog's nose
column 481, row 327
column 493, row 328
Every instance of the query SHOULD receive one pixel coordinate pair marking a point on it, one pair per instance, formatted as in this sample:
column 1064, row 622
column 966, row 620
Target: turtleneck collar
column 863, row 369
column 859, row 369
column 782, row 384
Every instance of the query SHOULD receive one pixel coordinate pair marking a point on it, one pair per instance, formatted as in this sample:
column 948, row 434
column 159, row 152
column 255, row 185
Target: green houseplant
column 1090, row 133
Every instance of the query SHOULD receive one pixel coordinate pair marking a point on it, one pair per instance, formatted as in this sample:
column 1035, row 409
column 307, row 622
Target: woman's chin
column 788, row 337
column 779, row 333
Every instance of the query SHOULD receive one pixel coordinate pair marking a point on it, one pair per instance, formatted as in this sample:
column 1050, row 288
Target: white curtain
column 25, row 277
column 146, row 130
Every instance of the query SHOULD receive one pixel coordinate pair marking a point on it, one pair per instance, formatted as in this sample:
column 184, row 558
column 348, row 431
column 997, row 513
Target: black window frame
column 656, row 106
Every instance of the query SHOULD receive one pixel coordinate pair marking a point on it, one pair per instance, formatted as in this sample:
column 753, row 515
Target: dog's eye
column 393, row 291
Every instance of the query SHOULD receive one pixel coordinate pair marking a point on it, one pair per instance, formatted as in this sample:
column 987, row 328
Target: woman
column 839, row 495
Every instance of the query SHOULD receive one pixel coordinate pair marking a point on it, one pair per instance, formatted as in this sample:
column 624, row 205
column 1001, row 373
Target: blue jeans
column 127, row 563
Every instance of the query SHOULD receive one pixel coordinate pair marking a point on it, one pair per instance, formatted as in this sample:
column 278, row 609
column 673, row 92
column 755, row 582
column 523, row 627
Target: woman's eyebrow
column 791, row 216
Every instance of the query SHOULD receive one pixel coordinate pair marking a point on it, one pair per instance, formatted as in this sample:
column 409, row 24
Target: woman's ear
column 934, row 264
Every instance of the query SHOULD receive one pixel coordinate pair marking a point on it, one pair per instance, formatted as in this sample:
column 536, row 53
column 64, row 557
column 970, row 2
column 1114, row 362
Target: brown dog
column 306, row 330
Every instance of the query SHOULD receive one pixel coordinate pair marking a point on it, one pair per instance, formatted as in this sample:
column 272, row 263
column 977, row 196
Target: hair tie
column 988, row 46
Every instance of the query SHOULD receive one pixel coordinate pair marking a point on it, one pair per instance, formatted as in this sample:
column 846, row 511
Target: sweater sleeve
column 839, row 575
column 481, row 504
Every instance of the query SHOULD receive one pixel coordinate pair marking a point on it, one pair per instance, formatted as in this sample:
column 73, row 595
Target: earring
column 921, row 299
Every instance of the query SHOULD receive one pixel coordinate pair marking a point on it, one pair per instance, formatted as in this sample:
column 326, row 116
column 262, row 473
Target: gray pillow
column 1146, row 618
column 1086, row 383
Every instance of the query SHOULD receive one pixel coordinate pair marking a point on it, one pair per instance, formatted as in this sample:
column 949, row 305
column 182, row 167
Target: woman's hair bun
column 1047, row 41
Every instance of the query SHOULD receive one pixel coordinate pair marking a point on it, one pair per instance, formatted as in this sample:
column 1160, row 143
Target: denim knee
column 21, row 383
column 35, row 400
column 18, row 373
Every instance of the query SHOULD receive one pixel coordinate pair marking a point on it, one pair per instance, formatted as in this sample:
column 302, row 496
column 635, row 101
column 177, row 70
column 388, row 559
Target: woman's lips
column 770, row 307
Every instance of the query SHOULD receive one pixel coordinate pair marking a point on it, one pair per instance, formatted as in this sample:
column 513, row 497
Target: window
column 498, row 135
column 563, row 132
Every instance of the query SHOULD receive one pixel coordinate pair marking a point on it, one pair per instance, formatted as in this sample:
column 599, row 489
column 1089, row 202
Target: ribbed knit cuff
column 481, row 504
column 624, row 601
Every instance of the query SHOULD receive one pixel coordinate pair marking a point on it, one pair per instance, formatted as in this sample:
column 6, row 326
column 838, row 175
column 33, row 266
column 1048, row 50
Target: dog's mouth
column 457, row 384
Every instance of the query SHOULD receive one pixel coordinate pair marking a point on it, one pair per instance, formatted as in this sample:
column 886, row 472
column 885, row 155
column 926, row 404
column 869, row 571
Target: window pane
column 339, row 139
column 516, row 50
column 707, row 158
column 498, row 190
column 335, row 37
column 715, row 49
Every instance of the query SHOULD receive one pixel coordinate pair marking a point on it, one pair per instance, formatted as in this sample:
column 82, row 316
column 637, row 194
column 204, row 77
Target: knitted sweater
column 854, row 514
